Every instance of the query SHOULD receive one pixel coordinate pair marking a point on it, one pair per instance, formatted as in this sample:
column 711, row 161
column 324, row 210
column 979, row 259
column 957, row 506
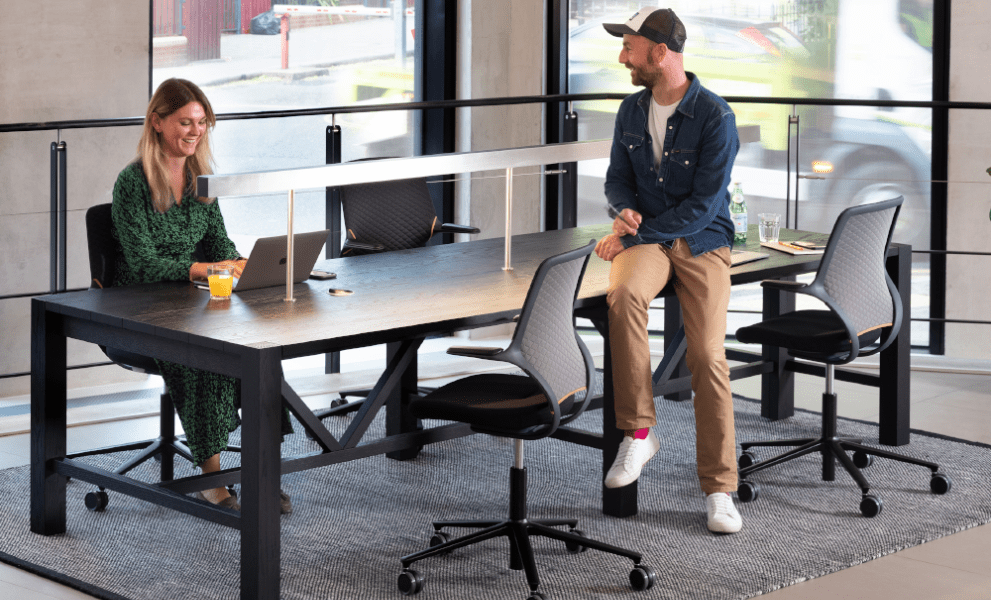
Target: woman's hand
column 199, row 270
column 237, row 266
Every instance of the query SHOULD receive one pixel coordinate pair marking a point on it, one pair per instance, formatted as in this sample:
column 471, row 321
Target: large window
column 821, row 49
column 336, row 53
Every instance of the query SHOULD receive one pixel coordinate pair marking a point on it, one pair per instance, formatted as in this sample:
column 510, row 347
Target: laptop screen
column 267, row 262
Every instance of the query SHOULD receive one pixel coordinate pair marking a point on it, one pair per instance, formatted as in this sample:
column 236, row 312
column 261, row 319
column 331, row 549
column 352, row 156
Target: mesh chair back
column 103, row 252
column 103, row 246
column 546, row 339
column 396, row 214
column 852, row 272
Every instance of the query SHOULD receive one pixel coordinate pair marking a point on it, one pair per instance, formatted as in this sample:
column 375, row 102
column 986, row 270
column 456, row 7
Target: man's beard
column 640, row 77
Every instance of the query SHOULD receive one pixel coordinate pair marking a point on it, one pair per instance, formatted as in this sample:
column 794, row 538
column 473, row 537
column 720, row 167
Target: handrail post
column 798, row 159
column 289, row 251
column 332, row 216
column 569, row 179
column 509, row 219
column 791, row 120
column 57, row 239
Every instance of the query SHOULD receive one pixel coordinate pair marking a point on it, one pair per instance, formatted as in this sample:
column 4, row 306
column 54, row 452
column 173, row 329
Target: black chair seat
column 514, row 402
column 132, row 361
column 819, row 334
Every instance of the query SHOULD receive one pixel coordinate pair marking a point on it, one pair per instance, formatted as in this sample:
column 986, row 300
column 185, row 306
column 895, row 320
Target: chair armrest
column 455, row 228
column 362, row 246
column 475, row 351
column 786, row 286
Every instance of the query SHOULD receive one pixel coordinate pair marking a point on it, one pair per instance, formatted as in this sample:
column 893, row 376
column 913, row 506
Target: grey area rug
column 352, row 522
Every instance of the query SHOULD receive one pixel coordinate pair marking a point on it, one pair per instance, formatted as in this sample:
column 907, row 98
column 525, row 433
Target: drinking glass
column 768, row 225
column 221, row 281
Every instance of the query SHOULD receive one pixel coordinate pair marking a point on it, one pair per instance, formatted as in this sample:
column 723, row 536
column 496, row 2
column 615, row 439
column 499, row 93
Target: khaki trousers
column 702, row 283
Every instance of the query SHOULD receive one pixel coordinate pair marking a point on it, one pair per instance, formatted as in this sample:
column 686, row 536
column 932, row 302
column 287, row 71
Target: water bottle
column 738, row 212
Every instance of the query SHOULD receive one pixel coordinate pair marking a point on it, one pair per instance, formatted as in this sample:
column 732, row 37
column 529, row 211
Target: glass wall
column 821, row 49
column 341, row 53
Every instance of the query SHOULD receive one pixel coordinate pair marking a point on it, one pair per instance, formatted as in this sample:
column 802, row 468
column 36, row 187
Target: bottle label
column 739, row 222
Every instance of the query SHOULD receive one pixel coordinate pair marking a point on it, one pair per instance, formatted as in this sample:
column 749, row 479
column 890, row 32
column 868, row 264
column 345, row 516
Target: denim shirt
column 687, row 195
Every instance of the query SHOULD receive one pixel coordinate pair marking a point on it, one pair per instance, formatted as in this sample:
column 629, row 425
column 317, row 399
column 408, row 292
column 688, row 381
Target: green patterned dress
column 161, row 247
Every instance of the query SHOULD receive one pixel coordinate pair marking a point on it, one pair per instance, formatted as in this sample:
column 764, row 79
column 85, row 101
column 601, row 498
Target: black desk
column 399, row 297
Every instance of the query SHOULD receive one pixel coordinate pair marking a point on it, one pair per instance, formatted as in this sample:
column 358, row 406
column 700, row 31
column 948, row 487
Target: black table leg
column 895, row 374
column 261, row 384
column 617, row 502
column 398, row 419
column 48, row 420
column 777, row 388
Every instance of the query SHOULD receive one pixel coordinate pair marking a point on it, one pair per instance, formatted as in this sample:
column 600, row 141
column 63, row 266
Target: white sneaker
column 723, row 516
column 632, row 456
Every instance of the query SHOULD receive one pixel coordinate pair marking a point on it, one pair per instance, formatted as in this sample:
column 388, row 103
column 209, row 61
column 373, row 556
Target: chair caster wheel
column 870, row 506
column 97, row 501
column 440, row 537
column 940, row 483
column 535, row 595
column 747, row 491
column 410, row 582
column 862, row 460
column 338, row 402
column 642, row 578
column 746, row 459
column 575, row 547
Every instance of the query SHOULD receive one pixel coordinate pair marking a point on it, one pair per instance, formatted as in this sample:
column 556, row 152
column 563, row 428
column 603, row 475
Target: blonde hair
column 172, row 95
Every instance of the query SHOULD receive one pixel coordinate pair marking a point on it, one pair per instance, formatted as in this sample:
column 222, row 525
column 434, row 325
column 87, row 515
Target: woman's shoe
column 285, row 502
column 228, row 502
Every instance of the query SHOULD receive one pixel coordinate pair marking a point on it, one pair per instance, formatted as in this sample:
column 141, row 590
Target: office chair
column 382, row 217
column 553, row 392
column 391, row 215
column 104, row 250
column 863, row 317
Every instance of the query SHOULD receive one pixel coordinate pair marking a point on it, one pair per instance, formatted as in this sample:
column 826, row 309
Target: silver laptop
column 266, row 265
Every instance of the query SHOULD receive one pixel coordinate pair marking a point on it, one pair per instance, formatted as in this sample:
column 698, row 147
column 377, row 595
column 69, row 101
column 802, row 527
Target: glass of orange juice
column 221, row 281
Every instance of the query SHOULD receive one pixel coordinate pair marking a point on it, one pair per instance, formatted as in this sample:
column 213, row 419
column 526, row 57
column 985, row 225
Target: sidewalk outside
column 312, row 51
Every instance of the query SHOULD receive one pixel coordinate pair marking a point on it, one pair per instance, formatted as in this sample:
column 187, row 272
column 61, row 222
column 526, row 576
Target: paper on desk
column 788, row 248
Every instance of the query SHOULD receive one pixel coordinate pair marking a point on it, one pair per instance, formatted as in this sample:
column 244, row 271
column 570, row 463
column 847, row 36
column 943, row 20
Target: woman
column 159, row 221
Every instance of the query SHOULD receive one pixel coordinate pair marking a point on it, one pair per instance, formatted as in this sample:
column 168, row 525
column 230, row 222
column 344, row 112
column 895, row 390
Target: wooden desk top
column 396, row 295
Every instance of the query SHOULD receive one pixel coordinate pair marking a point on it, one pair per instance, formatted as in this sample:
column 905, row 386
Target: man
column 673, row 149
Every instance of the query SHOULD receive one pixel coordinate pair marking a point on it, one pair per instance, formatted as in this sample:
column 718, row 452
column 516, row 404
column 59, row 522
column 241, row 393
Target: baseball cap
column 659, row 25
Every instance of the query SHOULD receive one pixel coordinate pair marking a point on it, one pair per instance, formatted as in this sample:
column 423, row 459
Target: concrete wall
column 85, row 59
column 968, row 286
column 500, row 53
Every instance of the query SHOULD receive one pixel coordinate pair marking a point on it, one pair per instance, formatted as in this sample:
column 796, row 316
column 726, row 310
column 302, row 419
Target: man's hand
column 627, row 222
column 608, row 247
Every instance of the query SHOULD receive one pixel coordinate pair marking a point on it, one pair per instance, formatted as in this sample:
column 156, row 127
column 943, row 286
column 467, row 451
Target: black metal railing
column 59, row 152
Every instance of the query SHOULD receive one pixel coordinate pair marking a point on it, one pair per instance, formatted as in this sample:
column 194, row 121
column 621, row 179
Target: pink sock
column 641, row 434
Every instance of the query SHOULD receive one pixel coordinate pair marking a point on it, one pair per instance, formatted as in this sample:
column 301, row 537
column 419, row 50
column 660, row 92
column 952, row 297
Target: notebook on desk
column 266, row 266
column 741, row 257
